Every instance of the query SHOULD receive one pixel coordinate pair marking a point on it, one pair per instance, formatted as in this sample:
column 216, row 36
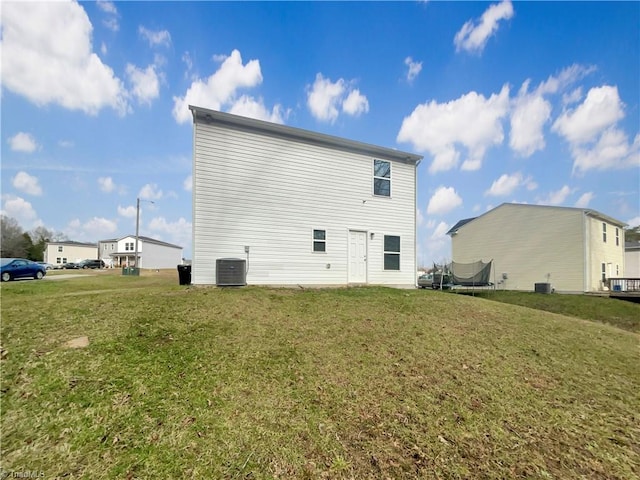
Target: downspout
column 587, row 253
column 194, row 263
column 415, row 224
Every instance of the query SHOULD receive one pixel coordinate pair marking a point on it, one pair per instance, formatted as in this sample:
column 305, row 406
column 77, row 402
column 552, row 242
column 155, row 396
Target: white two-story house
column 300, row 207
column 152, row 253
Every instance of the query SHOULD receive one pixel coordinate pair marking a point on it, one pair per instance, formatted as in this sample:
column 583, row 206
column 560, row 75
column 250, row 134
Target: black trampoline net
column 476, row 274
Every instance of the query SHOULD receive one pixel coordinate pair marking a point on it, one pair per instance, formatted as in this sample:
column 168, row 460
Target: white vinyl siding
column 261, row 190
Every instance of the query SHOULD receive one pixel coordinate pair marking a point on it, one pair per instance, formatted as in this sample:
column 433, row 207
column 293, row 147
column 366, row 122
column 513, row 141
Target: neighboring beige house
column 152, row 253
column 632, row 260
column 574, row 249
column 59, row 253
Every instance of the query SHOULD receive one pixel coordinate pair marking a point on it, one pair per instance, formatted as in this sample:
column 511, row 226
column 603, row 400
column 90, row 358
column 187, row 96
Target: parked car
column 46, row 265
column 88, row 263
column 70, row 266
column 425, row 281
column 13, row 268
column 441, row 280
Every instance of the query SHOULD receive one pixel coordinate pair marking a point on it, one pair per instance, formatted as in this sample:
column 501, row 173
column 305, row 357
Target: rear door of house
column 357, row 256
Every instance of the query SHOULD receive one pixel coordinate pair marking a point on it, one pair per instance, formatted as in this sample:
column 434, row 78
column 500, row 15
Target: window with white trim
column 319, row 240
column 60, row 248
column 604, row 232
column 617, row 237
column 58, row 260
column 382, row 178
column 604, row 272
column 391, row 252
column 128, row 247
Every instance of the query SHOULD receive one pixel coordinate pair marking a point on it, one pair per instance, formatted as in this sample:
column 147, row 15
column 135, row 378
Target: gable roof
column 587, row 211
column 206, row 116
column 145, row 240
column 71, row 243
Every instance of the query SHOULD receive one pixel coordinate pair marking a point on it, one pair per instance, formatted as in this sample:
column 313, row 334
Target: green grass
column 291, row 383
column 619, row 313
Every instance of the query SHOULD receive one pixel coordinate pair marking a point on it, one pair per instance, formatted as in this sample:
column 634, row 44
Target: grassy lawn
column 290, row 383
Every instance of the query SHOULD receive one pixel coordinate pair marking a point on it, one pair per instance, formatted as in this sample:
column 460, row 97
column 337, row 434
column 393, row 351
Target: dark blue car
column 13, row 268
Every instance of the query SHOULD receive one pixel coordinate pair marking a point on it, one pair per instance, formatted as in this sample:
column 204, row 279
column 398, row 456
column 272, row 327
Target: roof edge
column 209, row 116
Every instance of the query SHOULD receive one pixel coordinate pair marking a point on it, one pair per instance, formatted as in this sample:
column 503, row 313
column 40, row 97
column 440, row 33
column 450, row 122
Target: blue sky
column 533, row 102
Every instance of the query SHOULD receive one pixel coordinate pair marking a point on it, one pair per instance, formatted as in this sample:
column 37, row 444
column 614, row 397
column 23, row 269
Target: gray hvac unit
column 543, row 288
column 231, row 272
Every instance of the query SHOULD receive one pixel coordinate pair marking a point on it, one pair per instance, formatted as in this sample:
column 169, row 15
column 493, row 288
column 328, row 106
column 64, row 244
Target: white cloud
column 155, row 37
column 103, row 49
column 178, row 232
column 150, row 192
column 419, row 217
column 23, row 142
column 633, row 222
column 594, row 139
column 27, row 184
column 94, row 229
column 556, row 198
column 220, row 88
column 21, row 210
column 55, row 37
column 127, row 212
column 247, row 106
column 355, row 104
column 107, row 7
column 440, row 232
column 584, row 200
column 601, row 109
column 529, row 114
column 324, row 99
column 507, row 184
column 443, row 201
column 106, row 184
column 414, row 68
column 145, row 83
column 112, row 24
column 65, row 143
column 567, row 77
column 473, row 36
column 612, row 151
column 472, row 121
column 188, row 183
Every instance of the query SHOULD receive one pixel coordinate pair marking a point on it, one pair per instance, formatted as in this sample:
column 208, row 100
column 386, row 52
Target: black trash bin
column 184, row 274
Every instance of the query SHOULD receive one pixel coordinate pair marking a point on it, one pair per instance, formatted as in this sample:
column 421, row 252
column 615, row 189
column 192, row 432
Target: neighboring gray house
column 574, row 249
column 59, row 253
column 300, row 207
column 152, row 253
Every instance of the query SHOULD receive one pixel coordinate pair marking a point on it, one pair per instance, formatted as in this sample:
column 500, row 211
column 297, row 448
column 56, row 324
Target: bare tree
column 12, row 241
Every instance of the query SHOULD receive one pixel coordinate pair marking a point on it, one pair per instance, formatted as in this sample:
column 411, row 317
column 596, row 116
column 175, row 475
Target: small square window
column 319, row 240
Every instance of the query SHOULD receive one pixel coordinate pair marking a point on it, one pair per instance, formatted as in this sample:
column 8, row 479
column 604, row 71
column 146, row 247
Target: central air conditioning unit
column 542, row 287
column 231, row 272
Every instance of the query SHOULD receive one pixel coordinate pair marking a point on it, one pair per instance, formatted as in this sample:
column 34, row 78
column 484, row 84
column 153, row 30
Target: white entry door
column 357, row 256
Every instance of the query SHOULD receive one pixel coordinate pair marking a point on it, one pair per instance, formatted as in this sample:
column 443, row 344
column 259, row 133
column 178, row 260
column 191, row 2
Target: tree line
column 16, row 243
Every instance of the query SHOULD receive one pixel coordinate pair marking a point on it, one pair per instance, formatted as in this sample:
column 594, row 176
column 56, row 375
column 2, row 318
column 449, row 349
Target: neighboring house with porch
column 59, row 253
column 574, row 249
column 300, row 207
column 152, row 253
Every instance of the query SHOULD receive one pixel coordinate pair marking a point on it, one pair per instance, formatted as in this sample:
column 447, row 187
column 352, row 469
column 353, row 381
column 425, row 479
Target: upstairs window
column 604, row 232
column 59, row 248
column 391, row 252
column 382, row 178
column 617, row 237
column 319, row 240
